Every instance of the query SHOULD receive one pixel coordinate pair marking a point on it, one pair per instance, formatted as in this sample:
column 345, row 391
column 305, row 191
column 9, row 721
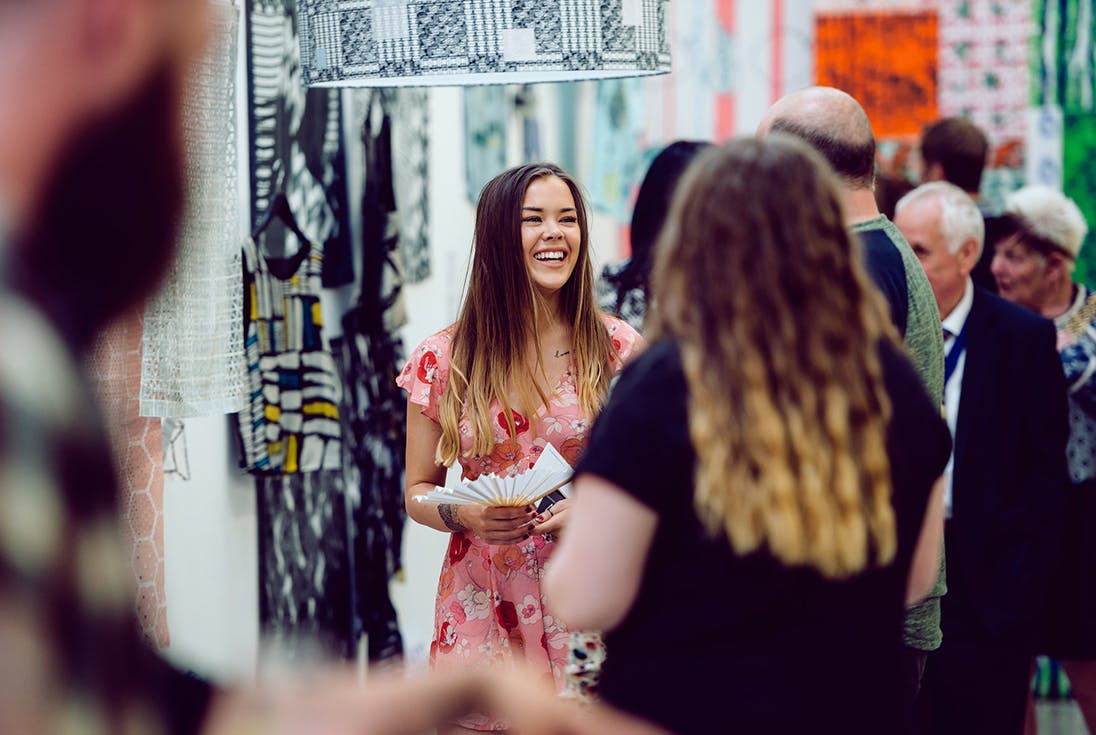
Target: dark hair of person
column 888, row 190
column 1011, row 225
column 853, row 161
column 778, row 328
column 960, row 147
column 651, row 207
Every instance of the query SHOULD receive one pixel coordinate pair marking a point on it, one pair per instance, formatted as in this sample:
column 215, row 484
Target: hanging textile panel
column 411, row 176
column 1064, row 55
column 887, row 61
column 1079, row 182
column 114, row 368
column 296, row 142
column 193, row 344
column 1064, row 76
column 306, row 596
column 983, row 71
column 291, row 422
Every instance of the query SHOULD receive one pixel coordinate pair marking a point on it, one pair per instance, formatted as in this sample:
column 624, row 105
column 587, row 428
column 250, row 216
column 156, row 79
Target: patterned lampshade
column 398, row 43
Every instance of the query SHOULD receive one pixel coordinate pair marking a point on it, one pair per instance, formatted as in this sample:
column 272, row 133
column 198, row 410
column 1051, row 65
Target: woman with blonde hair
column 527, row 363
column 747, row 514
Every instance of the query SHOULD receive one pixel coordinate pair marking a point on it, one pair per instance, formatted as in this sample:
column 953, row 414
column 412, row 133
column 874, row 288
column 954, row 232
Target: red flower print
column 521, row 424
column 508, row 559
column 445, row 584
column 571, row 449
column 506, row 454
column 616, row 344
column 459, row 545
column 458, row 612
column 447, row 637
column 428, row 367
column 507, row 615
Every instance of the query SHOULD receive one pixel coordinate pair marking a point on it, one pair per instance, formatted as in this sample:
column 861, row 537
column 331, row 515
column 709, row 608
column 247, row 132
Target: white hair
column 1049, row 215
column 960, row 219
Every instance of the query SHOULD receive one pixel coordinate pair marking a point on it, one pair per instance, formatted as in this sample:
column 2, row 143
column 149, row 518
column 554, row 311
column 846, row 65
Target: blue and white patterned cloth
column 1077, row 337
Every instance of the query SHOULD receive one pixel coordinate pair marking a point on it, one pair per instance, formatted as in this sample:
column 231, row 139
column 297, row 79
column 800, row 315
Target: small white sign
column 1043, row 158
column 631, row 12
column 518, row 44
column 390, row 20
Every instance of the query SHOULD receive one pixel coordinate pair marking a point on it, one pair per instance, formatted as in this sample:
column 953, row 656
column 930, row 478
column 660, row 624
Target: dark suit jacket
column 1009, row 473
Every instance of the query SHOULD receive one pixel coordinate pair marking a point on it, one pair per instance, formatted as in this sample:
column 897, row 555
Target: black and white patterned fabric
column 306, row 590
column 411, row 177
column 431, row 42
column 291, row 421
column 296, row 142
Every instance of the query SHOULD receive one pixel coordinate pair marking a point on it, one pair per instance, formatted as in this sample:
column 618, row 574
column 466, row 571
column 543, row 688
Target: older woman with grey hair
column 1034, row 265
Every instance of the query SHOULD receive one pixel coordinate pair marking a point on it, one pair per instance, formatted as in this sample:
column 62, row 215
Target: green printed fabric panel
column 1063, row 55
column 1079, row 183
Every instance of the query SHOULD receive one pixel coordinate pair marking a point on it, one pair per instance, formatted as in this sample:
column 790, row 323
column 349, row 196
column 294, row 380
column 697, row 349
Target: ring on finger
column 551, row 512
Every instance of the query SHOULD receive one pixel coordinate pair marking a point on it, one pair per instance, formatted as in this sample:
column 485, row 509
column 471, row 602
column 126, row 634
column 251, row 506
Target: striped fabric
column 291, row 422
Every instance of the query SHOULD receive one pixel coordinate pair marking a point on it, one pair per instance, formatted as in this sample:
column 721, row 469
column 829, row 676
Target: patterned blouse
column 1077, row 348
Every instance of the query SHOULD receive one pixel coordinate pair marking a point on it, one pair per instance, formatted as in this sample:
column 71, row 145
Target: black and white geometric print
column 411, row 177
column 451, row 42
column 296, row 143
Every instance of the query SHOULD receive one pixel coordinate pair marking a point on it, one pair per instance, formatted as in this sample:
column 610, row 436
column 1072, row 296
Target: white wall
column 210, row 558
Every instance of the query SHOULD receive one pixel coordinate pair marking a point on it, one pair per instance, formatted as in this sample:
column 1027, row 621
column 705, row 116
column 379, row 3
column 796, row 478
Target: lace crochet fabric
column 291, row 422
column 193, row 342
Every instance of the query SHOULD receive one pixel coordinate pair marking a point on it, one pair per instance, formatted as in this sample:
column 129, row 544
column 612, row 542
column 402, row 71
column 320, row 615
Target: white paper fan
column 550, row 472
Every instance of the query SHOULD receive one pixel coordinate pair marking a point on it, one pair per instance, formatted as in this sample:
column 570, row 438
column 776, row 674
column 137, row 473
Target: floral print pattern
column 490, row 606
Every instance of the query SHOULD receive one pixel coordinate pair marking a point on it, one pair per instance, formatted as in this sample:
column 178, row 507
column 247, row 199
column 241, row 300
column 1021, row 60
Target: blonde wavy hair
column 759, row 282
column 502, row 315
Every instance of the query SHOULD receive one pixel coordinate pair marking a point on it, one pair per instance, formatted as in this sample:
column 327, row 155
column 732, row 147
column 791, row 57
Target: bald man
column 837, row 126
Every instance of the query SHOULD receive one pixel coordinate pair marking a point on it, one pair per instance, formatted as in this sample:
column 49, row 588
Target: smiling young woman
column 527, row 363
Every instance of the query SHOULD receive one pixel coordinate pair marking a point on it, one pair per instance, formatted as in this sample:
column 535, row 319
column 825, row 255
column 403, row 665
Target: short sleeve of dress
column 625, row 339
column 426, row 373
column 640, row 442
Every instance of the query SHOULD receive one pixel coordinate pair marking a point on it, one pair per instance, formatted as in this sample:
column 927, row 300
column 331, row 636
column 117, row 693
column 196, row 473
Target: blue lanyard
column 957, row 346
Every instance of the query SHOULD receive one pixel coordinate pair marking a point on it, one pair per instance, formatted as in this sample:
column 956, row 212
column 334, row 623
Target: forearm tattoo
column 448, row 513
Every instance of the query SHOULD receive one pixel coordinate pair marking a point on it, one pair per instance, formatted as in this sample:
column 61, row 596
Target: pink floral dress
column 490, row 607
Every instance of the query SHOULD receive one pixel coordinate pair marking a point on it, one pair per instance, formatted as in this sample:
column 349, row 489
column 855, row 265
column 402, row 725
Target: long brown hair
column 503, row 313
column 759, row 282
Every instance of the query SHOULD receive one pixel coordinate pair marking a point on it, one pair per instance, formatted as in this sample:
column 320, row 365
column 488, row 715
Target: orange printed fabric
column 888, row 61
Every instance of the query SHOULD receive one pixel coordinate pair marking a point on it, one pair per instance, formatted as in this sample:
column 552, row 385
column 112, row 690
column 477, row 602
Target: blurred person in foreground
column 623, row 288
column 1005, row 404
column 90, row 195
column 1034, row 266
column 786, row 508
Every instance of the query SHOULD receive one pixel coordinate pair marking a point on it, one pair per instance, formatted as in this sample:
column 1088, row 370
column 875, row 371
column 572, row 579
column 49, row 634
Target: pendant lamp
column 416, row 43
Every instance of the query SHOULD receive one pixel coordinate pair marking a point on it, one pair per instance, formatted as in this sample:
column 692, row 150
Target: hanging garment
column 193, row 344
column 291, row 421
column 295, row 132
column 411, row 174
column 373, row 407
column 374, row 416
column 305, row 583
